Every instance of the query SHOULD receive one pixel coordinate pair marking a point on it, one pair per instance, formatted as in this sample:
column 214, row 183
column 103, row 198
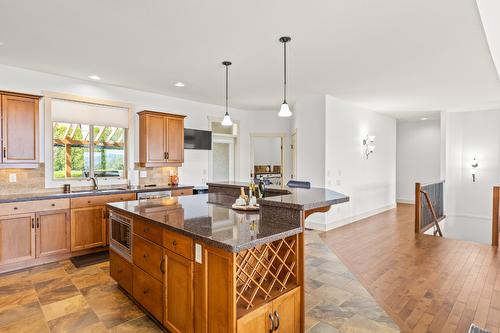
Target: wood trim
column 159, row 113
column 418, row 205
column 494, row 227
column 20, row 94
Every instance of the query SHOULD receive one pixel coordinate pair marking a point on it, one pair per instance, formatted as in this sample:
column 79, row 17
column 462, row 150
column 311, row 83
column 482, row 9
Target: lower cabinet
column 52, row 232
column 148, row 292
column 280, row 315
column 17, row 238
column 121, row 271
column 178, row 310
column 88, row 228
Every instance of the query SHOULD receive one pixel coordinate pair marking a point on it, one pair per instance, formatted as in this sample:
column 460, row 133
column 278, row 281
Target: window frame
column 91, row 155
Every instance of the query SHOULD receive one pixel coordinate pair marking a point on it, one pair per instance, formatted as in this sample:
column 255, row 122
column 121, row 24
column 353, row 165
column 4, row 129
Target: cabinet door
column 19, row 129
column 179, row 317
column 286, row 311
column 17, row 238
column 257, row 321
column 155, row 133
column 175, row 140
column 88, row 228
column 52, row 232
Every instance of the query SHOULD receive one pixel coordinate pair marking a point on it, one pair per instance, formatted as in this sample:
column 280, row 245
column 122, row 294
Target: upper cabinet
column 161, row 139
column 19, row 129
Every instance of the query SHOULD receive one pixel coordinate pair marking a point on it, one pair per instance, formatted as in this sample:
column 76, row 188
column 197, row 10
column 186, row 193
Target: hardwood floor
column 425, row 283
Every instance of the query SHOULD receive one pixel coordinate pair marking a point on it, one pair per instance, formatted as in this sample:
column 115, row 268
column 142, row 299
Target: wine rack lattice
column 266, row 271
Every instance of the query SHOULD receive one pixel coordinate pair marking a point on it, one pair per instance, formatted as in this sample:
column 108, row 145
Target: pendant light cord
column 227, row 79
column 284, row 72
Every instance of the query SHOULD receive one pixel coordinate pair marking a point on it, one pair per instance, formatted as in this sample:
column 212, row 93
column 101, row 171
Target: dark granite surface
column 59, row 194
column 209, row 218
column 295, row 198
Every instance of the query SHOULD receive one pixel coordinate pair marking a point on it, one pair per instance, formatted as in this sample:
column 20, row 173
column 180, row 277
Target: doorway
column 293, row 152
column 267, row 157
column 222, row 158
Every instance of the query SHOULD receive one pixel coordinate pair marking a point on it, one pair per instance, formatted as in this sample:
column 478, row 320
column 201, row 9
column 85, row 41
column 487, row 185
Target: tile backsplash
column 33, row 180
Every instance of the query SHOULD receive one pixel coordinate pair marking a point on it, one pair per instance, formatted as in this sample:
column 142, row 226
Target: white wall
column 469, row 135
column 195, row 169
column 418, row 156
column 330, row 154
column 267, row 150
column 309, row 121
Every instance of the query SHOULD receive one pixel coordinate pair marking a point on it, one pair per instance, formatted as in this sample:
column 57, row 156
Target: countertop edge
column 50, row 196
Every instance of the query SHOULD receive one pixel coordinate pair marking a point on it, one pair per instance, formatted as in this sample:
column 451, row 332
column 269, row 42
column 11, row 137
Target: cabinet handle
column 174, row 242
column 272, row 323
column 277, row 320
column 119, row 271
column 4, row 152
column 165, row 155
column 32, row 223
column 145, row 291
column 168, row 155
column 162, row 265
column 53, row 205
column 15, row 208
column 38, row 223
column 146, row 229
column 145, row 255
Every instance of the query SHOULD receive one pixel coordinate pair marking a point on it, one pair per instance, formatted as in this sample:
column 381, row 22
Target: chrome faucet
column 94, row 181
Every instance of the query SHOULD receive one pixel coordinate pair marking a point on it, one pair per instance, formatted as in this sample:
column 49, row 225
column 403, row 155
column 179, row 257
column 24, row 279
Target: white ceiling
column 387, row 55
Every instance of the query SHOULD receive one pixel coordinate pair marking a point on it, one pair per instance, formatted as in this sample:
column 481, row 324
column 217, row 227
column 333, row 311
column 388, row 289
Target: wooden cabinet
column 121, row 271
column 161, row 139
column 52, row 232
column 281, row 315
column 257, row 321
column 88, row 228
column 19, row 128
column 178, row 308
column 17, row 238
column 182, row 191
column 149, row 257
column 148, row 292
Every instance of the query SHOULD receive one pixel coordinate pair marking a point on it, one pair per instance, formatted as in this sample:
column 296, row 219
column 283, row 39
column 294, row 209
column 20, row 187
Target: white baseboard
column 405, row 201
column 470, row 216
column 335, row 224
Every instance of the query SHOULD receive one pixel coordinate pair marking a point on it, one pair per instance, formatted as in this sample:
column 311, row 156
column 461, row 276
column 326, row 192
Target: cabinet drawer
column 148, row 292
column 33, row 206
column 148, row 256
column 149, row 231
column 178, row 243
column 121, row 271
column 180, row 192
column 100, row 200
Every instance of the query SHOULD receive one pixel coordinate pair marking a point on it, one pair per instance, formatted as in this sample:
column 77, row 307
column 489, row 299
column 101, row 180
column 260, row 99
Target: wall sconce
column 473, row 171
column 369, row 145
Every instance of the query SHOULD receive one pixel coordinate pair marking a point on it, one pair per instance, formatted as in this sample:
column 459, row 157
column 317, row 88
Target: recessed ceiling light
column 179, row 84
column 1, row 43
column 423, row 118
column 94, row 77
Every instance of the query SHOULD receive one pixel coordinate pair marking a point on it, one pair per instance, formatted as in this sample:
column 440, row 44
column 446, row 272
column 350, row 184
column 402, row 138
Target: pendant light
column 227, row 119
column 285, row 109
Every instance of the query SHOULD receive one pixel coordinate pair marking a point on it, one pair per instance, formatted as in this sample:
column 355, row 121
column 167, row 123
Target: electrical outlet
column 12, row 177
column 143, row 174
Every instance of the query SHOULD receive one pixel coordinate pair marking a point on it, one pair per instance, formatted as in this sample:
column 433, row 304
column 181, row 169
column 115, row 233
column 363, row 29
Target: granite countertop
column 209, row 218
column 292, row 197
column 59, row 194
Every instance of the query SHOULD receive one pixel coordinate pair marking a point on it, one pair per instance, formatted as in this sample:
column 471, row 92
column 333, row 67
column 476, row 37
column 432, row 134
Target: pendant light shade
column 285, row 109
column 227, row 119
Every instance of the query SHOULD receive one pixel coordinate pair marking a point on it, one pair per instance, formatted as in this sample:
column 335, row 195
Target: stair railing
column 429, row 207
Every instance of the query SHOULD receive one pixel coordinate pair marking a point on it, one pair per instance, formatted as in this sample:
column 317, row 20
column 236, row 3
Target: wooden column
column 496, row 203
column 68, row 160
column 418, row 205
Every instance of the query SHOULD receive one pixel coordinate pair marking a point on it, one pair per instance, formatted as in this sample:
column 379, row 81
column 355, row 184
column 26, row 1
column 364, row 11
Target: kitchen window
column 88, row 140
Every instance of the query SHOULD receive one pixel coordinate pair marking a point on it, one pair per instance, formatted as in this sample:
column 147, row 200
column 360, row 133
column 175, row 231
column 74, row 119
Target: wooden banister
column 418, row 207
column 496, row 203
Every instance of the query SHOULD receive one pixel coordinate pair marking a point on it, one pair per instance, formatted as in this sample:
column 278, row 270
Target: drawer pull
column 174, row 242
column 145, row 291
column 89, row 201
column 146, row 229
column 15, row 208
column 119, row 271
column 145, row 255
column 121, row 199
column 53, row 205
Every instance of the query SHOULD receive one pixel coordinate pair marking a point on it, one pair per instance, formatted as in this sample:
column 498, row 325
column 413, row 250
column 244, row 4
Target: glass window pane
column 219, row 129
column 71, row 150
column 109, row 151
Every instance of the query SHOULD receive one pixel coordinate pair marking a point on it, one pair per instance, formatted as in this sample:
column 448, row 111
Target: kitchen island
column 197, row 265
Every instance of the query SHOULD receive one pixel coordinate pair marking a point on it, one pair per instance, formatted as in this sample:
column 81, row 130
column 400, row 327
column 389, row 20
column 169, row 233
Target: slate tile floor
column 59, row 297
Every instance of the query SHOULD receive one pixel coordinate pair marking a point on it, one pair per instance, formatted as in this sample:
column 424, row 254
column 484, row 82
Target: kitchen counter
column 59, row 194
column 209, row 218
column 287, row 197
